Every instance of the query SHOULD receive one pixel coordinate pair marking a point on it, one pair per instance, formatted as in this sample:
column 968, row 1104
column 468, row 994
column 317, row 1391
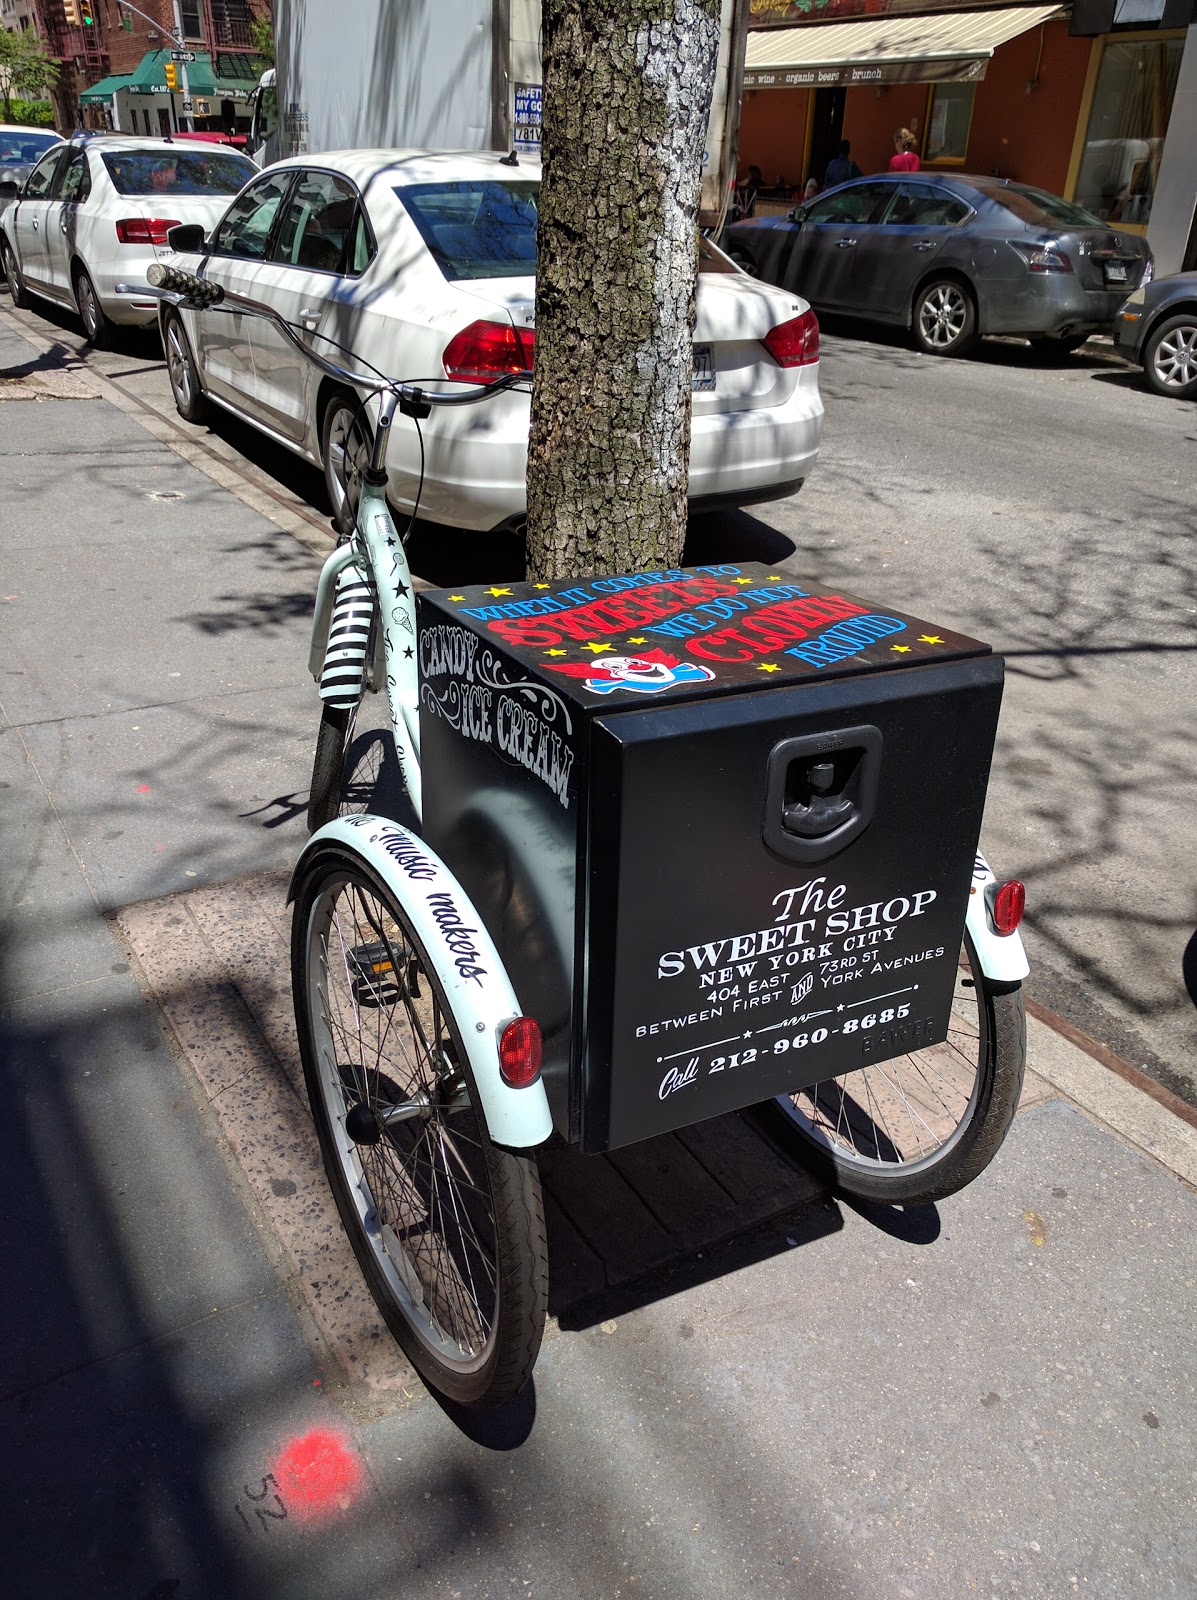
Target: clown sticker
column 650, row 673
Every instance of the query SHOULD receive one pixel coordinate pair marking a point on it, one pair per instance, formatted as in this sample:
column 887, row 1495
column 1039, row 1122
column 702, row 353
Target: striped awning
column 941, row 48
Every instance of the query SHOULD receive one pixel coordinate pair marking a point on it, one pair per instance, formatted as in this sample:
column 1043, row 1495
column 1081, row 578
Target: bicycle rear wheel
column 919, row 1127
column 448, row 1228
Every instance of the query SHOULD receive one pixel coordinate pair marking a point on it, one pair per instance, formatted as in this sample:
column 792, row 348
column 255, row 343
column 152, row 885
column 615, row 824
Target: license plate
column 704, row 368
column 1115, row 271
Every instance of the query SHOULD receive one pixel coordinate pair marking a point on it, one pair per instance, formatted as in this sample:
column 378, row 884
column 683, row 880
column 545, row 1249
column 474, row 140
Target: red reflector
column 487, row 350
column 794, row 343
column 519, row 1052
column 1008, row 904
column 145, row 230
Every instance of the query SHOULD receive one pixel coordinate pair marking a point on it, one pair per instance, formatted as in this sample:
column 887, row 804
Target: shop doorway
column 827, row 129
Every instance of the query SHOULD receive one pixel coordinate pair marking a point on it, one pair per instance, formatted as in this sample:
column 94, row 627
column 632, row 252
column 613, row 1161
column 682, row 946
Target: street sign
column 182, row 55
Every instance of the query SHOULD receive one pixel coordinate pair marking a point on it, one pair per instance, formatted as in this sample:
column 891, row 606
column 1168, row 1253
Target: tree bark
column 627, row 93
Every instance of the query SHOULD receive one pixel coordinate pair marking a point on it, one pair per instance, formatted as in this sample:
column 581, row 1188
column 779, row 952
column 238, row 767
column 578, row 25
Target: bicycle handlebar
column 186, row 288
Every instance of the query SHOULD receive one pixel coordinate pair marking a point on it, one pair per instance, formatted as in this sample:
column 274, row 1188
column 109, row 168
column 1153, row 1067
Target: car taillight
column 145, row 230
column 486, row 350
column 1043, row 257
column 520, row 1052
column 1006, row 902
column 794, row 343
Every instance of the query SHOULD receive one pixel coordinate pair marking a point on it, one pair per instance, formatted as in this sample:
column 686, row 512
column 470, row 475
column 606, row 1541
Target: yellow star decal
column 597, row 648
column 457, row 597
column 741, row 580
column 639, row 639
column 497, row 592
column 774, row 577
column 768, row 666
column 930, row 638
column 902, row 649
column 540, row 585
column 554, row 652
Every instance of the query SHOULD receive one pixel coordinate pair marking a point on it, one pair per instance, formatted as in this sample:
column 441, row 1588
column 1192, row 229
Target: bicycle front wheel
column 448, row 1228
column 919, row 1127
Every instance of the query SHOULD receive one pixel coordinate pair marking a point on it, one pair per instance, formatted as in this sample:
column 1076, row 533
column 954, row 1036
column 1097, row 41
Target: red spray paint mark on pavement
column 142, row 788
column 318, row 1474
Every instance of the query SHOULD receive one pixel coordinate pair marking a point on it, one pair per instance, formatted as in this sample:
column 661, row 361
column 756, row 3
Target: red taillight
column 1006, row 904
column 486, row 350
column 1043, row 257
column 520, row 1052
column 794, row 343
column 145, row 230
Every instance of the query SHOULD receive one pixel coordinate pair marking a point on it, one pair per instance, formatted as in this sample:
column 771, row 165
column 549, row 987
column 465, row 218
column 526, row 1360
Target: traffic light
column 172, row 76
column 85, row 12
column 70, row 9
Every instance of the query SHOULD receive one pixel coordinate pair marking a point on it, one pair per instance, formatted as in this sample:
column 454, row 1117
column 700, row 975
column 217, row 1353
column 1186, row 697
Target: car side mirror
column 8, row 190
column 188, row 238
column 798, row 215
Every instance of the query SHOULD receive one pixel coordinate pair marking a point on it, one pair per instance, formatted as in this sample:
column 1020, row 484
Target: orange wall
column 873, row 116
column 1028, row 137
column 773, row 133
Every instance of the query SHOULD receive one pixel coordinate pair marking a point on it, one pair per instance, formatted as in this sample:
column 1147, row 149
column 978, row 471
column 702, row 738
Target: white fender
column 1001, row 955
column 467, row 964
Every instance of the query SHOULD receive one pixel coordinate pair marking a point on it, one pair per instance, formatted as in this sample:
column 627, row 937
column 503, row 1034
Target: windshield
column 478, row 229
column 1040, row 209
column 211, row 171
column 22, row 146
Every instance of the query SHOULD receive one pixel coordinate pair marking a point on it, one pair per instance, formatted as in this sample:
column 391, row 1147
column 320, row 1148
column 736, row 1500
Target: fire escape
column 228, row 36
column 81, row 50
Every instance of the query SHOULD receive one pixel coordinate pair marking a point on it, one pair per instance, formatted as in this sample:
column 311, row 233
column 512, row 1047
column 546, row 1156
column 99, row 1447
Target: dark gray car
column 1157, row 328
column 951, row 258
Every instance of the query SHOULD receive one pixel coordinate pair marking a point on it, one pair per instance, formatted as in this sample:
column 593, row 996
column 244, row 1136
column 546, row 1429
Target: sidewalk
column 748, row 1387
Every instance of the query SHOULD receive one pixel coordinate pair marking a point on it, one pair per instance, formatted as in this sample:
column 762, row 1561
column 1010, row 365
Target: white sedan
column 422, row 263
column 96, row 212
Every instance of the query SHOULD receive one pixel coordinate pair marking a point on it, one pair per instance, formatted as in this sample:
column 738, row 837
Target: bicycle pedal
column 372, row 973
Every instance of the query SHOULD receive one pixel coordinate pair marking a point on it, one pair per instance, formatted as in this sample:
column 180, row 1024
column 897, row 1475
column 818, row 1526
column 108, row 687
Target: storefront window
column 948, row 118
column 1125, row 138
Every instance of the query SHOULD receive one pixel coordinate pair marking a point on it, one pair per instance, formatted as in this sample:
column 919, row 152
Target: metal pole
column 188, row 117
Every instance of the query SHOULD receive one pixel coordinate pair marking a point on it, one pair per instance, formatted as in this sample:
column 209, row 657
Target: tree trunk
column 627, row 92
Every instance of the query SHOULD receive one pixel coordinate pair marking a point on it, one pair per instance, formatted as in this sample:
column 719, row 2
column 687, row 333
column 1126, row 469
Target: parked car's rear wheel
column 190, row 400
column 345, row 442
column 945, row 318
column 12, row 274
column 95, row 324
column 745, row 262
column 1170, row 357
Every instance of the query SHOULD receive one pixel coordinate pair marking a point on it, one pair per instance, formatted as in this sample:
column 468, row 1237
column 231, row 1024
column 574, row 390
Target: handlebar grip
column 197, row 291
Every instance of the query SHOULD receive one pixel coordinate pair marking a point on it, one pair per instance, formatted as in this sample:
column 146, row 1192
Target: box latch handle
column 820, row 792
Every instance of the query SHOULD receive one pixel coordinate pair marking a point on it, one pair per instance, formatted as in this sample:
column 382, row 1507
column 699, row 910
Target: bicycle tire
column 447, row 1227
column 917, row 1128
column 328, row 764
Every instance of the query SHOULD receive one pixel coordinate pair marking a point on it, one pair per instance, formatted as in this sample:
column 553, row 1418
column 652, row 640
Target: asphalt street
column 994, row 1395
column 1047, row 509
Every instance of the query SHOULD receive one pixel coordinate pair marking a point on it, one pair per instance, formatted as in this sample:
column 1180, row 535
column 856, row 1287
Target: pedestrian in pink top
column 905, row 157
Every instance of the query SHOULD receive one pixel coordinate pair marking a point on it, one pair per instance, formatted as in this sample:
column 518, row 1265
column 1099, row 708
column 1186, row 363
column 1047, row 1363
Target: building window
column 949, row 113
column 189, row 13
column 1124, row 141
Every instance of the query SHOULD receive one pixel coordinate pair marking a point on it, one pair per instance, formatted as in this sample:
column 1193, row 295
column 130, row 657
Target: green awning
column 150, row 78
column 100, row 93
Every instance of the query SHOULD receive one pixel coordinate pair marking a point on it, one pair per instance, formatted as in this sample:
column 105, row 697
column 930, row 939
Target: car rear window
column 149, row 172
column 22, row 148
column 1039, row 208
column 480, row 229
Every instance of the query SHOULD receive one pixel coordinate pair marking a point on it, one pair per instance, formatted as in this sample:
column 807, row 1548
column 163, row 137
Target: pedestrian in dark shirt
column 841, row 168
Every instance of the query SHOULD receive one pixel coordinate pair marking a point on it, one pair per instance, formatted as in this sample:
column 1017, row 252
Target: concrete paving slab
column 1004, row 1408
column 118, row 1179
column 168, row 797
